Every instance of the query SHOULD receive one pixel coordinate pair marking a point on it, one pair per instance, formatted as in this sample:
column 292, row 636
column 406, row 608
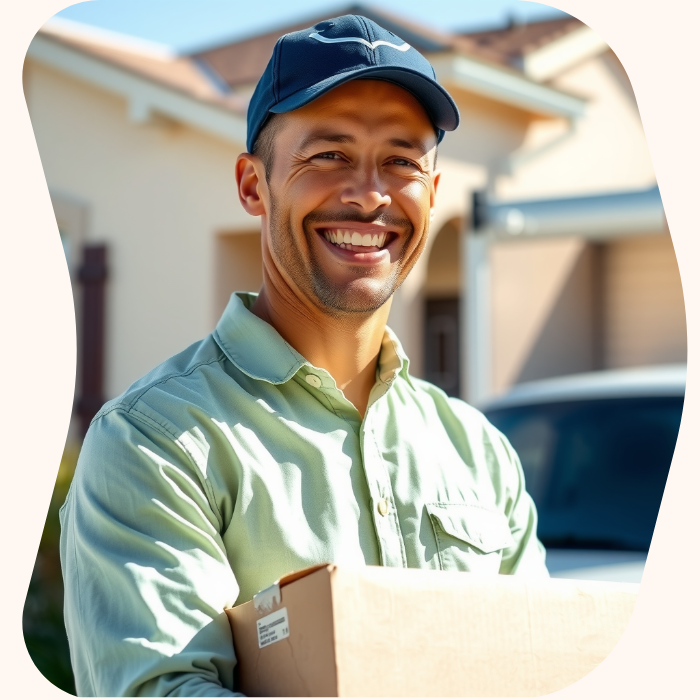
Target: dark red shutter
column 92, row 277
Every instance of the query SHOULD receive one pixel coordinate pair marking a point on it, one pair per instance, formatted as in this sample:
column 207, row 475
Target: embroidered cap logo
column 359, row 40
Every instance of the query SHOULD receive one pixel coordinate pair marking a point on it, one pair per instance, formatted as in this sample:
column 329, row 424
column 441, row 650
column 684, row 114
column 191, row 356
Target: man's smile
column 358, row 241
column 355, row 239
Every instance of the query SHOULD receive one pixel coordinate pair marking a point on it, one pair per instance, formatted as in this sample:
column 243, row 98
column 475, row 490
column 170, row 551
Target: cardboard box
column 335, row 631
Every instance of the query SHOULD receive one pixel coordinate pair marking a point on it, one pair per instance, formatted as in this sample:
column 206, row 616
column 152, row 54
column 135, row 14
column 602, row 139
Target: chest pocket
column 469, row 537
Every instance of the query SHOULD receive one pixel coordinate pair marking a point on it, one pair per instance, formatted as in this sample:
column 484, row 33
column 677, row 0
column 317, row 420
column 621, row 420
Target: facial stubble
column 335, row 299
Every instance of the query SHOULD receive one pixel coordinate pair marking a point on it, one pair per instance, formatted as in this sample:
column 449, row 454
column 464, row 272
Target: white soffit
column 563, row 53
column 143, row 96
column 507, row 86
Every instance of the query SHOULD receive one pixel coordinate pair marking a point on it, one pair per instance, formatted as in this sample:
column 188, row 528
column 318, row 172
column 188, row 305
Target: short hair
column 264, row 144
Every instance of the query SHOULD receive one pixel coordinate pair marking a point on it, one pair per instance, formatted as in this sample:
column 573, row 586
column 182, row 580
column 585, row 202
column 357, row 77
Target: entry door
column 442, row 344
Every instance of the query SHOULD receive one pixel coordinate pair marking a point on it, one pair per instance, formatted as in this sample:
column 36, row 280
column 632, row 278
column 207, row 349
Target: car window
column 596, row 469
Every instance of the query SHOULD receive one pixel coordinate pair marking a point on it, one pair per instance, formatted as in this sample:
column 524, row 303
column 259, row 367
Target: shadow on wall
column 621, row 305
column 238, row 267
column 568, row 341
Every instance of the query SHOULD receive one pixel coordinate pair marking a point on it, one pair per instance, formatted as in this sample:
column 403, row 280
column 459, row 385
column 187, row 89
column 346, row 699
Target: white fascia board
column 71, row 29
column 143, row 95
column 507, row 87
column 563, row 53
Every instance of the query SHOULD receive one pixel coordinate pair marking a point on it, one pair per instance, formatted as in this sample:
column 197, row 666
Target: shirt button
column 313, row 380
column 383, row 507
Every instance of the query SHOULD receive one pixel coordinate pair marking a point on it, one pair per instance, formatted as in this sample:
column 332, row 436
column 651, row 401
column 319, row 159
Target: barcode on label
column 273, row 627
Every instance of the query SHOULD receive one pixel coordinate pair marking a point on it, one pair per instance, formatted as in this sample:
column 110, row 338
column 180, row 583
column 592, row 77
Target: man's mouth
column 356, row 241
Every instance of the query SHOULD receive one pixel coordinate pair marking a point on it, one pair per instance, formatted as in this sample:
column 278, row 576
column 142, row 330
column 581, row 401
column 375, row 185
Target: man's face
column 352, row 187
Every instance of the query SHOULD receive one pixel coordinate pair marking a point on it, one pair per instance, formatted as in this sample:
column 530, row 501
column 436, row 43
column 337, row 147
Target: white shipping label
column 273, row 627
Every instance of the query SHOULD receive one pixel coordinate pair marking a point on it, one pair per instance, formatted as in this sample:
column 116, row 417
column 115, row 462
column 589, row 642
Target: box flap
column 265, row 600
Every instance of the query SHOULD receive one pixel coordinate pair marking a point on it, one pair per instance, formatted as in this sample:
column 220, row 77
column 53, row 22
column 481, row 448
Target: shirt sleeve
column 145, row 570
column 527, row 556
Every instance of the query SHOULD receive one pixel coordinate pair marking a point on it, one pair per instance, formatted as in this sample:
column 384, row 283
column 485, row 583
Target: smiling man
column 345, row 202
column 293, row 435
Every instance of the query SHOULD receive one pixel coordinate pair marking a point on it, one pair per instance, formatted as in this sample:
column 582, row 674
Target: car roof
column 661, row 380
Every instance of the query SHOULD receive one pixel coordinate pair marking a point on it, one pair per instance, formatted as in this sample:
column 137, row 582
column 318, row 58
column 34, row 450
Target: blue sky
column 184, row 25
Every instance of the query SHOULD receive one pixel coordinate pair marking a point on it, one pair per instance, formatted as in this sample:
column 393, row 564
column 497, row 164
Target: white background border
column 657, row 44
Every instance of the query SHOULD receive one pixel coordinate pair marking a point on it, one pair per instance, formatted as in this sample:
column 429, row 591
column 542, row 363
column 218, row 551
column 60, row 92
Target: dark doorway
column 442, row 344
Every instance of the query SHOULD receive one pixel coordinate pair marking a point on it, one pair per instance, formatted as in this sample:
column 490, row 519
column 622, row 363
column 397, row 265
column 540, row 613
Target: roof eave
column 507, row 86
column 563, row 53
column 142, row 94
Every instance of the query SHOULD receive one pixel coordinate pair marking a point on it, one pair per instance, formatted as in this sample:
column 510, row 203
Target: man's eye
column 327, row 156
column 403, row 162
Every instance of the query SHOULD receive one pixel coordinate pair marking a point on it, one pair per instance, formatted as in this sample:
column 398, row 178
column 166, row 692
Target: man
column 294, row 434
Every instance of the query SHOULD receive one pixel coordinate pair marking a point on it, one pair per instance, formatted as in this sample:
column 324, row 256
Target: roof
column 243, row 62
column 178, row 72
column 224, row 76
column 509, row 45
column 662, row 380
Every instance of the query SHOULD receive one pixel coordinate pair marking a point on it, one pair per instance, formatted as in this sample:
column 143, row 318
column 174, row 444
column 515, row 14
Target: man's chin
column 360, row 297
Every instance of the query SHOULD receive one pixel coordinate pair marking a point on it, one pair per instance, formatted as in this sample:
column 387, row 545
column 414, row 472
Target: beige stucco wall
column 542, row 310
column 237, row 267
column 443, row 278
column 644, row 313
column 605, row 151
column 544, row 316
column 565, row 306
column 158, row 195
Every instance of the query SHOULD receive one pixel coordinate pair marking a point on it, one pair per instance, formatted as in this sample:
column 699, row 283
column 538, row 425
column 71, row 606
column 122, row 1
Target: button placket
column 384, row 514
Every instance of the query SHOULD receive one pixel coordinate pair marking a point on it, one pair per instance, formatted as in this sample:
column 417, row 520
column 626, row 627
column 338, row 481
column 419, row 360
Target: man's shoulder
column 455, row 413
column 425, row 391
column 175, row 380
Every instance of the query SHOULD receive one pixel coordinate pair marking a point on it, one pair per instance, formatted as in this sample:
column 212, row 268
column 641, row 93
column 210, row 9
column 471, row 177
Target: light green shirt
column 238, row 461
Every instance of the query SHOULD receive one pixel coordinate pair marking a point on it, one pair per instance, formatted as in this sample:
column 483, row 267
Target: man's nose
column 366, row 191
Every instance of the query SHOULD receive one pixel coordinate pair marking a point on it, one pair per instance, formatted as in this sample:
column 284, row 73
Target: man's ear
column 252, row 185
column 433, row 191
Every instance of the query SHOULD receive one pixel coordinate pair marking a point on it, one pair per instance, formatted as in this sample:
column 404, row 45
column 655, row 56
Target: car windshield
column 596, row 469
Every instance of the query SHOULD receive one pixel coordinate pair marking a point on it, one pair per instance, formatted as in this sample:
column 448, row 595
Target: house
column 138, row 148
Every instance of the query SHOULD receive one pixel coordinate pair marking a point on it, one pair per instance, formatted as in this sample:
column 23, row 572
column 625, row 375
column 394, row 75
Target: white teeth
column 343, row 238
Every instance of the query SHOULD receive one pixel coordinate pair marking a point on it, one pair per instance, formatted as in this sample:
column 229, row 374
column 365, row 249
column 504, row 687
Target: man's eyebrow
column 331, row 137
column 326, row 137
column 416, row 145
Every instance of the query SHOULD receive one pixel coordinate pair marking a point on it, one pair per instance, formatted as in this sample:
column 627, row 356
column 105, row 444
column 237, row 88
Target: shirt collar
column 392, row 359
column 259, row 351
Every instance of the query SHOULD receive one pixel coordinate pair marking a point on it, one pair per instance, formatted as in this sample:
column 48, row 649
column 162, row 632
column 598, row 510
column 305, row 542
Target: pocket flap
column 485, row 529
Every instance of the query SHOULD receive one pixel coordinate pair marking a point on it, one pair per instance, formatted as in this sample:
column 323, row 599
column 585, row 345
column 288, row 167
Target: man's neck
column 347, row 346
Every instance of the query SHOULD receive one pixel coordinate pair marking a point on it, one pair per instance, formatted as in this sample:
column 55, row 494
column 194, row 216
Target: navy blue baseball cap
column 308, row 63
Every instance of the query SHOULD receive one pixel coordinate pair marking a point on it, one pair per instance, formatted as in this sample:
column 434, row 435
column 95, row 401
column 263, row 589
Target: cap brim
column 435, row 99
